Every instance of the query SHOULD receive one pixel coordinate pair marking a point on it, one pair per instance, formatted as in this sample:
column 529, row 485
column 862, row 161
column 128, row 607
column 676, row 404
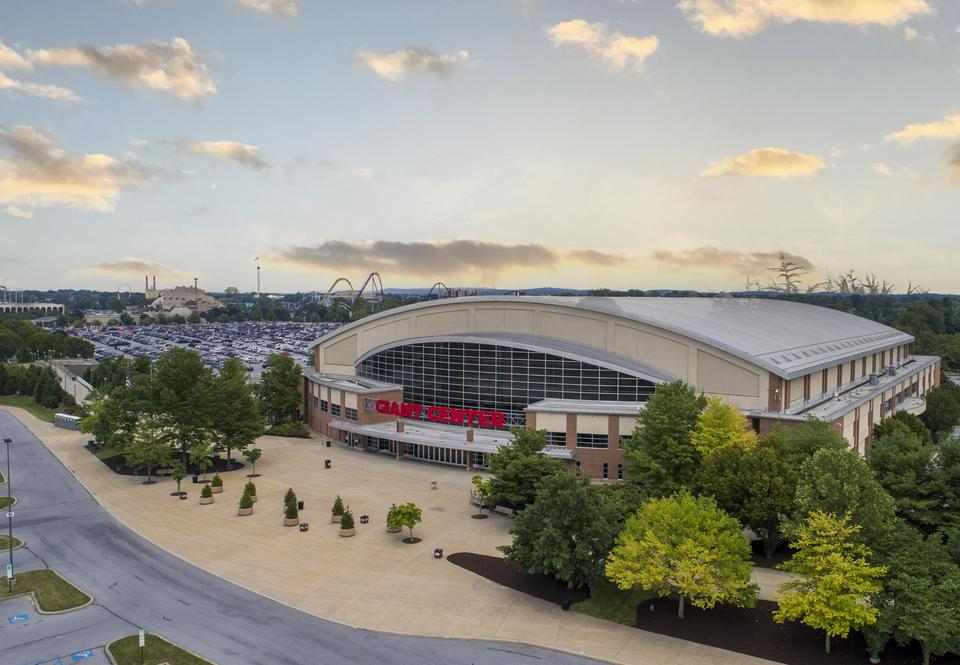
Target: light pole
column 8, row 441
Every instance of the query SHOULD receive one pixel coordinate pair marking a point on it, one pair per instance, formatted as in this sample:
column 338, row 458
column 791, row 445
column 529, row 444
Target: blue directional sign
column 18, row 618
column 81, row 655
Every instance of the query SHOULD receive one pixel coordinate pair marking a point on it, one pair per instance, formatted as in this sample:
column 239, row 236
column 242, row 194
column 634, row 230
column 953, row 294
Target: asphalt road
column 134, row 583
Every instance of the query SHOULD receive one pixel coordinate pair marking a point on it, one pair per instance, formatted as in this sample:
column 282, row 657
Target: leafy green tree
column 943, row 410
column 661, row 456
column 834, row 582
column 181, row 390
column 200, row 454
column 902, row 420
column 839, row 482
column 906, row 467
column 406, row 516
column 719, row 425
column 566, row 532
column 798, row 443
column 149, row 448
column 483, row 492
column 236, row 415
column 684, row 546
column 755, row 484
column 519, row 468
column 280, row 389
column 252, row 455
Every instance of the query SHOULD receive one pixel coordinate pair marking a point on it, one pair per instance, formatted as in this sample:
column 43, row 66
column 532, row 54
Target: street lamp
column 8, row 441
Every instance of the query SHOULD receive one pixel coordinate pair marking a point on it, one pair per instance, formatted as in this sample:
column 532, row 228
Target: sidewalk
column 370, row 581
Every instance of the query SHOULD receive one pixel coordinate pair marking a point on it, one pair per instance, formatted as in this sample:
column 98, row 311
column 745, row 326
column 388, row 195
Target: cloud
column 396, row 65
column 616, row 48
column 53, row 92
column 276, row 7
column 881, row 168
column 713, row 258
column 40, row 173
column 171, row 67
column 953, row 161
column 241, row 153
column 19, row 213
column 948, row 128
column 741, row 18
column 768, row 163
column 134, row 267
column 10, row 59
column 432, row 259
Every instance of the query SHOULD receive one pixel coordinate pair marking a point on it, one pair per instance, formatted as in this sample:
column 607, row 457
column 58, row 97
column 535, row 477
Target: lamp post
column 8, row 441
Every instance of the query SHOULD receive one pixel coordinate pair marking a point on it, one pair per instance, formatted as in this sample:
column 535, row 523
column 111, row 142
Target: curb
column 36, row 603
column 113, row 661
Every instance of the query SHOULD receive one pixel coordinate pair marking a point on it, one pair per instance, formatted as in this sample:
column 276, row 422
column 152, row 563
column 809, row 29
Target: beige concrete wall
column 708, row 369
column 593, row 424
column 627, row 425
column 552, row 422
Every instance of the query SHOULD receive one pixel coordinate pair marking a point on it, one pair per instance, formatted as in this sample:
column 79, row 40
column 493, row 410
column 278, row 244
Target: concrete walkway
column 371, row 581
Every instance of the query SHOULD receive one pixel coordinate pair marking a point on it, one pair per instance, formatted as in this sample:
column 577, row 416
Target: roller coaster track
column 446, row 290
column 373, row 281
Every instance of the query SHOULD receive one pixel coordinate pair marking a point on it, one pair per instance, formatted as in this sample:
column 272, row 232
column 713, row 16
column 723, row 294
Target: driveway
column 134, row 583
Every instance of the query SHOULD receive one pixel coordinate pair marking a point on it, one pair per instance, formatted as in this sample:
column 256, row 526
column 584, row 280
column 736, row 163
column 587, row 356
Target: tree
column 661, row 456
column 721, row 424
column 906, row 468
column 519, row 468
column 252, row 455
column 835, row 582
column 798, row 443
column 943, row 410
column 902, row 420
column 406, row 515
column 200, row 454
column 839, row 482
column 181, row 390
column 280, row 389
column 179, row 473
column 566, row 532
column 483, row 492
column 236, row 417
column 685, row 546
column 754, row 484
column 149, row 447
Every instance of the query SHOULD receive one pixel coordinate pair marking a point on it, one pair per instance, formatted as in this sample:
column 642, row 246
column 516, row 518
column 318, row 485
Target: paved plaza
column 373, row 580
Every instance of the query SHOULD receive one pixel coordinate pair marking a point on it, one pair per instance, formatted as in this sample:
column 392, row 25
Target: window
column 334, row 409
column 606, row 470
column 585, row 440
column 494, row 377
column 619, row 471
column 323, row 405
column 351, row 413
column 557, row 439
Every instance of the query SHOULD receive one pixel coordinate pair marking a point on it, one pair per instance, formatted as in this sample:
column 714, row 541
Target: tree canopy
column 519, row 468
column 721, row 424
column 281, row 389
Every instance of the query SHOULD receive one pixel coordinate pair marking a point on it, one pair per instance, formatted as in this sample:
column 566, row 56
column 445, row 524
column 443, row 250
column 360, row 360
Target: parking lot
column 251, row 342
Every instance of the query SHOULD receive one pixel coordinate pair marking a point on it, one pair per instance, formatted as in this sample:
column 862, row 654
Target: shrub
column 338, row 506
column 346, row 520
column 294, row 429
column 217, row 480
column 290, row 498
column 250, row 489
column 246, row 501
column 206, row 492
column 291, row 511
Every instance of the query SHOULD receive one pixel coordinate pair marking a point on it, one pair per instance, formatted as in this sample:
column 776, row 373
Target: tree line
column 24, row 342
column 874, row 544
column 178, row 411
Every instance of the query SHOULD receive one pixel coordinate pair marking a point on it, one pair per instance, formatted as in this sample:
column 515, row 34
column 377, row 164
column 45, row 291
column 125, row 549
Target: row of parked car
column 251, row 341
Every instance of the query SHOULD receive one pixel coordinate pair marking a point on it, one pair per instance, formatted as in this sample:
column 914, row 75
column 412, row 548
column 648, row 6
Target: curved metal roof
column 787, row 338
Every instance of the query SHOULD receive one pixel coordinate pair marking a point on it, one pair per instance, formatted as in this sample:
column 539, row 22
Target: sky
column 504, row 143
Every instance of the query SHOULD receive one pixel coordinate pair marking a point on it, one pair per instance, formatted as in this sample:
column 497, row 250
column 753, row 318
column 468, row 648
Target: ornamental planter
column 334, row 519
column 253, row 497
column 347, row 533
column 206, row 500
column 394, row 529
column 243, row 512
column 216, row 489
column 291, row 521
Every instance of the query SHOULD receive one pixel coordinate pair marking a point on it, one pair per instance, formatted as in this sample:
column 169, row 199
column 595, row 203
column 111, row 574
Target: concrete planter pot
column 347, row 533
column 243, row 512
column 216, row 490
column 394, row 529
column 291, row 521
column 206, row 500
column 253, row 497
column 334, row 519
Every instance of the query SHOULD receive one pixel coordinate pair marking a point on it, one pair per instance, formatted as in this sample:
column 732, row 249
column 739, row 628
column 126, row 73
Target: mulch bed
column 117, row 464
column 752, row 631
column 509, row 574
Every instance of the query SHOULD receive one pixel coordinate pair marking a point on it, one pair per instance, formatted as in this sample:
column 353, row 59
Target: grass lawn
column 157, row 650
column 6, row 501
column 5, row 543
column 26, row 402
column 609, row 603
column 52, row 592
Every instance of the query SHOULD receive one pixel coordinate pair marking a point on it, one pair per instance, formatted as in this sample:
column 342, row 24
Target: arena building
column 445, row 380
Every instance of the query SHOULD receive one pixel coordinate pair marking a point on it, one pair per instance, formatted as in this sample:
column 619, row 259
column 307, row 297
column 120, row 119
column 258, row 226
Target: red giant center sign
column 444, row 414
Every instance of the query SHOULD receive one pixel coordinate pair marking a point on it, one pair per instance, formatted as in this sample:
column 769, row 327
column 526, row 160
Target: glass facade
column 496, row 378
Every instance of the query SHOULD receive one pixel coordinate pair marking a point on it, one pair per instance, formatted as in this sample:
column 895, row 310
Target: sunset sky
column 507, row 143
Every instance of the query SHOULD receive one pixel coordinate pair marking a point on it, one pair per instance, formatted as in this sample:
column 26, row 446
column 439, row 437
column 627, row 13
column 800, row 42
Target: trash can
column 299, row 505
column 327, row 464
